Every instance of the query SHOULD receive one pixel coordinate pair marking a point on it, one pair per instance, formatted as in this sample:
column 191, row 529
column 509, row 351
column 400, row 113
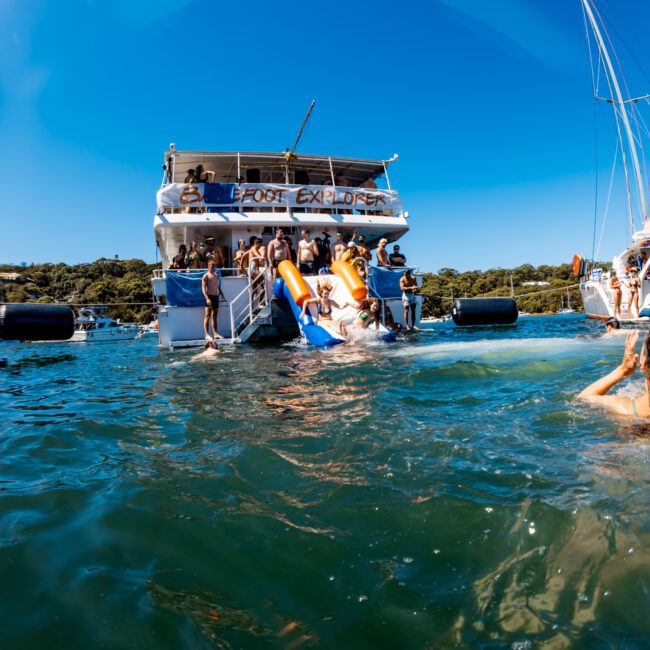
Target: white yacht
column 595, row 282
column 92, row 326
column 252, row 195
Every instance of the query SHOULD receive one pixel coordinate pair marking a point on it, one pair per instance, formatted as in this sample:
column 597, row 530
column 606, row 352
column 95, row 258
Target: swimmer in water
column 210, row 351
column 638, row 406
column 613, row 327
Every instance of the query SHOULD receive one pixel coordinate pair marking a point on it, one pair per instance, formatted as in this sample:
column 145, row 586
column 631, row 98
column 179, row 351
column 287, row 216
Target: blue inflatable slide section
column 315, row 334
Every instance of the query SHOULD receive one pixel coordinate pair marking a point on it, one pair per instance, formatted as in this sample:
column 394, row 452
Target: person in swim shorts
column 409, row 285
column 211, row 287
column 277, row 251
column 307, row 254
column 639, row 406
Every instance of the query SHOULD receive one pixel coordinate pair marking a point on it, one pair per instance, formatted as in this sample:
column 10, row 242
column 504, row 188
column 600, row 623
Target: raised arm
column 309, row 301
column 596, row 393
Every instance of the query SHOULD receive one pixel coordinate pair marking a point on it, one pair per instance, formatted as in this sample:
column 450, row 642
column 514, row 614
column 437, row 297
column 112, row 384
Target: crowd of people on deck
column 312, row 257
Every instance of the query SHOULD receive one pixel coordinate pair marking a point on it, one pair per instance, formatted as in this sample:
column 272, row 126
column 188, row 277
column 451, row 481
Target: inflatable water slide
column 347, row 288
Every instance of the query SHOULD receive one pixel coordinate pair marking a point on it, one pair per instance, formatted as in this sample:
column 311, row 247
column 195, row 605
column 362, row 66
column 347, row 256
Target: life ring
column 191, row 194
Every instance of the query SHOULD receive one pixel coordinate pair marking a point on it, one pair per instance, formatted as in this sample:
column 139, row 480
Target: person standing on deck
column 211, row 287
column 615, row 285
column 307, row 254
column 409, row 285
column 339, row 247
column 277, row 251
column 382, row 255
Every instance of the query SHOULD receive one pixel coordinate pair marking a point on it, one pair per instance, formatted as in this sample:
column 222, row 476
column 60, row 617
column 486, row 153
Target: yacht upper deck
column 199, row 181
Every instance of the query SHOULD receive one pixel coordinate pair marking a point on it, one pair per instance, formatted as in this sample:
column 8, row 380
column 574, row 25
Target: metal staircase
column 250, row 308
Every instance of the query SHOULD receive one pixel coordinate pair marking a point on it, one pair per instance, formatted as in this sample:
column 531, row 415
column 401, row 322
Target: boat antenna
column 620, row 111
column 289, row 155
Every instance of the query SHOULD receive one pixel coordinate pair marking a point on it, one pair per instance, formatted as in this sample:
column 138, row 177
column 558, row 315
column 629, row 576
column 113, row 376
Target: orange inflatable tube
column 295, row 282
column 351, row 279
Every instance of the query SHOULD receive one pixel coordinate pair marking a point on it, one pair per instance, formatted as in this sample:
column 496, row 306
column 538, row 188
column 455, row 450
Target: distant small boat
column 431, row 319
column 567, row 309
column 94, row 327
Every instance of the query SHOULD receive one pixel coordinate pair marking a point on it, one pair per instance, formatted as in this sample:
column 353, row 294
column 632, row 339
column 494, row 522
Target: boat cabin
column 230, row 196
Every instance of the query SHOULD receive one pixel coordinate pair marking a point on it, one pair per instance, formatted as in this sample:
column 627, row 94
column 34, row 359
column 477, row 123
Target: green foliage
column 96, row 283
column 438, row 288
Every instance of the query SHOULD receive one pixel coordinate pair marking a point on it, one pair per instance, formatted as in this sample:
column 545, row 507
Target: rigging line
column 619, row 111
column 593, row 237
column 638, row 117
column 624, row 44
column 609, row 196
column 591, row 56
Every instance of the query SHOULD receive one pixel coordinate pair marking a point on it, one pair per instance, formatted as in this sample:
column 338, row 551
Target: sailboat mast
column 619, row 104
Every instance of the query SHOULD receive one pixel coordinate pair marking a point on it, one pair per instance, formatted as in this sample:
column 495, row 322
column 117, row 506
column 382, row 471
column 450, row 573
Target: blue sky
column 487, row 103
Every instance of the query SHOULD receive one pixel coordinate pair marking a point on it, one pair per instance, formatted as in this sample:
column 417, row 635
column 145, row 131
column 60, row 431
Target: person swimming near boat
column 210, row 351
column 324, row 306
column 367, row 313
column 211, row 287
column 639, row 406
column 613, row 326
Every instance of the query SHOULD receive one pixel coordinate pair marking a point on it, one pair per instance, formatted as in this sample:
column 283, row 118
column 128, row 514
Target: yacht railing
column 257, row 293
column 227, row 272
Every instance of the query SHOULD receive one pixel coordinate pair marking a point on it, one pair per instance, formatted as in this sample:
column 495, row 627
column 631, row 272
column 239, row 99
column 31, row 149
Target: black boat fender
column 484, row 311
column 36, row 322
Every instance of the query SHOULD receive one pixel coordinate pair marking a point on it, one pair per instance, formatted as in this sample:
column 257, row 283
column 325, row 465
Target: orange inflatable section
column 351, row 279
column 295, row 282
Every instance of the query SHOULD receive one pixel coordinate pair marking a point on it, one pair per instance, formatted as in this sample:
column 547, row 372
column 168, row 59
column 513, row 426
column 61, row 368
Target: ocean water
column 443, row 491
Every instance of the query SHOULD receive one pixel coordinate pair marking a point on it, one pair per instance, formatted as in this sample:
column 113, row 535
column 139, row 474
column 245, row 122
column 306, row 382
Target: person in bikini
column 277, row 251
column 634, row 285
column 211, row 287
column 324, row 306
column 367, row 312
column 615, row 285
column 639, row 406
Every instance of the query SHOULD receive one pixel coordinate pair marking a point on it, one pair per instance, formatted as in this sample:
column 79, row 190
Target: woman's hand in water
column 630, row 358
column 644, row 360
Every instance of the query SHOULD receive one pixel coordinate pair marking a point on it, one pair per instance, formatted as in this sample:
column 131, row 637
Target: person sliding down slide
column 324, row 305
column 639, row 406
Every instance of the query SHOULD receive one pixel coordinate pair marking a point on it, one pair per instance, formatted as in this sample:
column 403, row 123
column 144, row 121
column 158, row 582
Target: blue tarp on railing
column 184, row 289
column 384, row 283
column 219, row 193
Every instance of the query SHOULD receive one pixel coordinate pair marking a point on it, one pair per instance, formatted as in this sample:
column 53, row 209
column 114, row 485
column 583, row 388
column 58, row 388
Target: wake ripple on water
column 445, row 490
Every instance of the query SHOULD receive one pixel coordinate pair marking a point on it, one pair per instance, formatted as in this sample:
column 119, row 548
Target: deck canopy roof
column 272, row 166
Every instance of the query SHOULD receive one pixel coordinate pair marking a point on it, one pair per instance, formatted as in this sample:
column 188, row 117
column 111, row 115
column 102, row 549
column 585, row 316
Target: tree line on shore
column 439, row 288
column 108, row 281
column 102, row 282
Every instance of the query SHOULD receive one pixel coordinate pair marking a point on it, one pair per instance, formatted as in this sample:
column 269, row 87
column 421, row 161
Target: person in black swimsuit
column 211, row 287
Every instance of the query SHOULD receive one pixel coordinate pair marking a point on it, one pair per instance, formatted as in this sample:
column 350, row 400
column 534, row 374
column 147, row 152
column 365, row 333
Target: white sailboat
column 566, row 309
column 598, row 295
